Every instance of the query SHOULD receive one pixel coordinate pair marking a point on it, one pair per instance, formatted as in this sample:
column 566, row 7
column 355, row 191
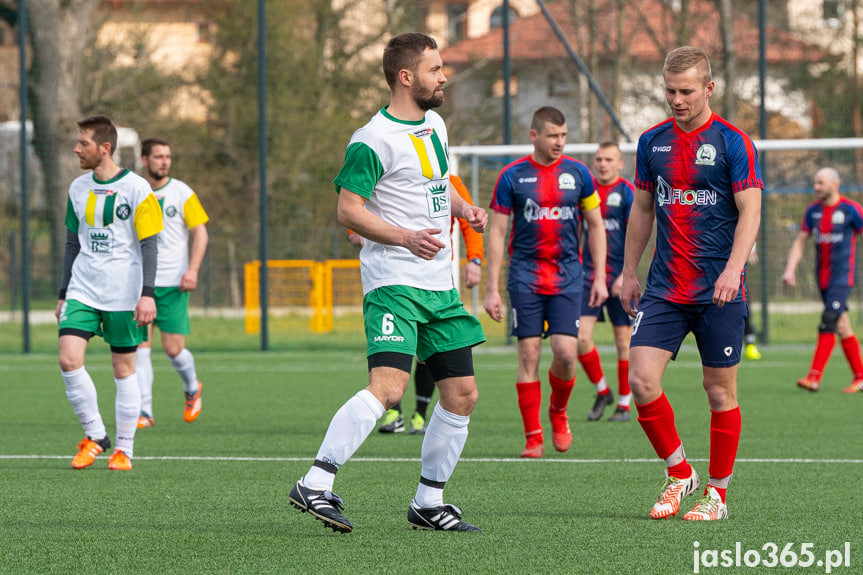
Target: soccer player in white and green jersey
column 394, row 191
column 176, row 277
column 109, row 271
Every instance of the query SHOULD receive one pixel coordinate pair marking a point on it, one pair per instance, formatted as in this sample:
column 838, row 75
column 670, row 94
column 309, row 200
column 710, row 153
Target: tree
column 323, row 82
column 729, row 70
column 59, row 32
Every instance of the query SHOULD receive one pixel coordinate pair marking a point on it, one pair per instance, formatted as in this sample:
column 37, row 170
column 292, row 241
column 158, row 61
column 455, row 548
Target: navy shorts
column 835, row 298
column 536, row 315
column 718, row 330
column 614, row 308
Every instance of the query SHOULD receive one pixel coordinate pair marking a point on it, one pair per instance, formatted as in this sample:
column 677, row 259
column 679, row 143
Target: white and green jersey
column 181, row 211
column 402, row 169
column 110, row 219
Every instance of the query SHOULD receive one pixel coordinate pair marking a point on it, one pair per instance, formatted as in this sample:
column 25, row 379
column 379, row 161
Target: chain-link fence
column 322, row 87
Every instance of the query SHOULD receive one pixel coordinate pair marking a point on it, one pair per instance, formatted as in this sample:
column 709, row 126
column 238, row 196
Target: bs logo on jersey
column 437, row 197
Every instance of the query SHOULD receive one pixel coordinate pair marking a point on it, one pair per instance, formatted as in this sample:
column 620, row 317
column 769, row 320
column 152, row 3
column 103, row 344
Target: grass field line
column 464, row 459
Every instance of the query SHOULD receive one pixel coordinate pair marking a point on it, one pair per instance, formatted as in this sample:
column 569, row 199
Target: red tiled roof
column 649, row 32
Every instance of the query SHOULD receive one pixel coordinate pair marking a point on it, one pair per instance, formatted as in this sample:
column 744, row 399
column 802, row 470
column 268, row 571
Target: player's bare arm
column 352, row 214
column 638, row 232
column 789, row 277
column 493, row 305
column 748, row 221
column 598, row 252
column 200, row 239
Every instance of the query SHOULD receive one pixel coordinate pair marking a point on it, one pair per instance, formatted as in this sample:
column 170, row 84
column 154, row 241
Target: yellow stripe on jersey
column 420, row 147
column 590, row 202
column 193, row 212
column 90, row 211
column 148, row 217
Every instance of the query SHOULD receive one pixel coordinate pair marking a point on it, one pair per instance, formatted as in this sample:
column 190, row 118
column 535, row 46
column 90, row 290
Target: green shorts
column 117, row 328
column 418, row 322
column 172, row 310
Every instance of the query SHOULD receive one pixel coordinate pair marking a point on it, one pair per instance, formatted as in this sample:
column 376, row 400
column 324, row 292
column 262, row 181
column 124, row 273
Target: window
column 206, row 31
column 560, row 85
column 833, row 12
column 497, row 87
column 496, row 20
column 456, row 18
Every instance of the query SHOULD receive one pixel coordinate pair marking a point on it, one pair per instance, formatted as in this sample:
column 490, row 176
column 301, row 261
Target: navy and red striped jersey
column 835, row 229
column 544, row 201
column 615, row 201
column 693, row 177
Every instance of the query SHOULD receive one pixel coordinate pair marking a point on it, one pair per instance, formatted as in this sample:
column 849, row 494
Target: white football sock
column 184, row 363
column 144, row 369
column 81, row 392
column 350, row 426
column 677, row 456
column 127, row 406
column 444, row 440
column 623, row 400
column 720, row 482
column 601, row 385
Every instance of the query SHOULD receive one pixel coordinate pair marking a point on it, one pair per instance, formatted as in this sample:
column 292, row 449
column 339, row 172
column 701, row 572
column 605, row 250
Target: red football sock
column 529, row 400
column 826, row 341
column 720, row 491
column 851, row 347
column 724, row 439
column 623, row 377
column 560, row 392
column 592, row 366
column 657, row 420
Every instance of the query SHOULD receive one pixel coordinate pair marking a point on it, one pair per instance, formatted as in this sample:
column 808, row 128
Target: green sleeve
column 361, row 171
column 71, row 218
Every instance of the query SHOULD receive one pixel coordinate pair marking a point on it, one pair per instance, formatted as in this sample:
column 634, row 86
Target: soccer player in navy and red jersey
column 543, row 193
column 615, row 194
column 698, row 177
column 835, row 222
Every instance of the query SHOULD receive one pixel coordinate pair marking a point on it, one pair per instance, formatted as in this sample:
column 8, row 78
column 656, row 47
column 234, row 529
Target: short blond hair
column 683, row 58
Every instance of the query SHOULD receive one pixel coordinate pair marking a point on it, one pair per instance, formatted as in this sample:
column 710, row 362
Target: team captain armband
column 148, row 217
column 590, row 202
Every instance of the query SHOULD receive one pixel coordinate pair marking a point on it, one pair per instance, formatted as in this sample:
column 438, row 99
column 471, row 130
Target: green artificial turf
column 211, row 496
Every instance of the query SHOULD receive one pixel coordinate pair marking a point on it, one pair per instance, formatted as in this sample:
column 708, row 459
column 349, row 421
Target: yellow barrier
column 319, row 290
column 304, row 286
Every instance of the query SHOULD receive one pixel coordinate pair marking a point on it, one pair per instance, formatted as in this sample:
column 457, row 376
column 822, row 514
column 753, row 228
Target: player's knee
column 459, row 397
column 644, row 389
column 70, row 362
column 829, row 321
column 173, row 352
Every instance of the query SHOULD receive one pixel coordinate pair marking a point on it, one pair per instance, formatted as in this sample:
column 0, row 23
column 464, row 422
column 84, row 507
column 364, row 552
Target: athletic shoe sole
column 326, row 511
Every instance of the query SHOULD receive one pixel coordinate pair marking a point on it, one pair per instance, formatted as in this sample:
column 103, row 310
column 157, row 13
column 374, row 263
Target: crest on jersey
column 838, row 217
column 613, row 200
column 705, row 156
column 101, row 240
column 566, row 181
column 171, row 211
column 437, row 198
column 124, row 211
